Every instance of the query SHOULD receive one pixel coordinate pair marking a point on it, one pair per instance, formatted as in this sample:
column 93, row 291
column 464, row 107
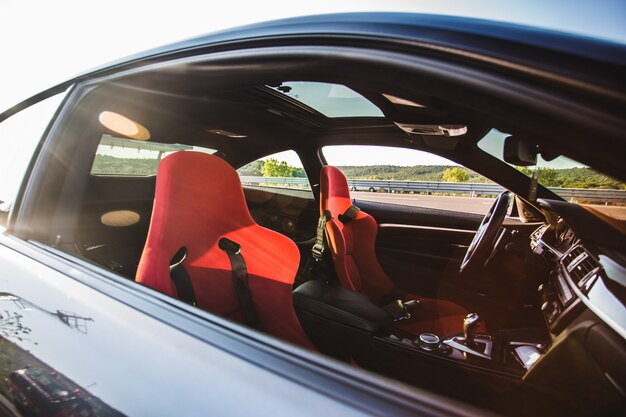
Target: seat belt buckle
column 412, row 305
column 402, row 311
column 397, row 310
column 317, row 253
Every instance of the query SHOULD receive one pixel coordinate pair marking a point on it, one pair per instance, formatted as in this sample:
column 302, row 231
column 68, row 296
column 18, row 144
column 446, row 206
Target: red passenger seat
column 198, row 201
column 353, row 251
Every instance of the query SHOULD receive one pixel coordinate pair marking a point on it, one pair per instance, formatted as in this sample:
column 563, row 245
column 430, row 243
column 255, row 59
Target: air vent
column 580, row 265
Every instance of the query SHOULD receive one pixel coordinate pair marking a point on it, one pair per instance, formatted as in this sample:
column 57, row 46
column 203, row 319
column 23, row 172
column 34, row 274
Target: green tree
column 273, row 168
column 253, row 169
column 299, row 173
column 549, row 177
column 456, row 174
column 524, row 170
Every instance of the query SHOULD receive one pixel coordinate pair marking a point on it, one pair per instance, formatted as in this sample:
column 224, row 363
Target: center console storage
column 348, row 325
column 338, row 319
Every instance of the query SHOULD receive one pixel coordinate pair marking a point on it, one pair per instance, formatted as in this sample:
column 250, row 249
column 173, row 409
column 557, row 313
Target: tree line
column 271, row 167
column 549, row 177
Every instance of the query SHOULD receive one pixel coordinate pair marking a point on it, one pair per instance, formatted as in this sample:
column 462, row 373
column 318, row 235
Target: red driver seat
column 352, row 246
column 198, row 201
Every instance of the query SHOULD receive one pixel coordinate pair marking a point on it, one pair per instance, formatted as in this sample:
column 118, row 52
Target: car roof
column 478, row 35
column 450, row 31
column 523, row 48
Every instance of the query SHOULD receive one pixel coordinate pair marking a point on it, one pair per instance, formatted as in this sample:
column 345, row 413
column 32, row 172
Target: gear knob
column 470, row 323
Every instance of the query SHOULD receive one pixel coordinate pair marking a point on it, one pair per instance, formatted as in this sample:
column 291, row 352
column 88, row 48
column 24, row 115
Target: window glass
column 570, row 179
column 332, row 100
column 19, row 135
column 280, row 170
column 127, row 157
column 411, row 177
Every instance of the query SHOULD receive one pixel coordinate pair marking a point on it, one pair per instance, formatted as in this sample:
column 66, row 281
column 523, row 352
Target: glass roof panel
column 332, row 100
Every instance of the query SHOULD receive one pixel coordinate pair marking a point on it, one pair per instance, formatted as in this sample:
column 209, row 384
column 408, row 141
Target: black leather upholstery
column 339, row 305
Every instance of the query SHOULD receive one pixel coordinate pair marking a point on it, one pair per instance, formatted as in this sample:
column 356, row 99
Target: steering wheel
column 485, row 237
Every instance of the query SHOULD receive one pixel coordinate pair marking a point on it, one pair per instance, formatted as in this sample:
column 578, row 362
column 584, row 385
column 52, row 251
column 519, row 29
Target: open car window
column 415, row 178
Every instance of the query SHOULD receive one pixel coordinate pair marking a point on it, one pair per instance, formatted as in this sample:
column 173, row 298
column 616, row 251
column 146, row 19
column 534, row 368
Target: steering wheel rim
column 482, row 244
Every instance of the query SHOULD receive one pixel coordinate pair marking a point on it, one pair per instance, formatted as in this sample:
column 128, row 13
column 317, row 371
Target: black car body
column 40, row 393
column 69, row 306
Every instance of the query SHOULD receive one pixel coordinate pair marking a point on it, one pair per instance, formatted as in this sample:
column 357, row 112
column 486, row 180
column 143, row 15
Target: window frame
column 65, row 88
column 351, row 386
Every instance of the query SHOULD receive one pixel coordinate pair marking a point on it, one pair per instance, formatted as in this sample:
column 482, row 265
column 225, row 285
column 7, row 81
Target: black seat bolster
column 339, row 305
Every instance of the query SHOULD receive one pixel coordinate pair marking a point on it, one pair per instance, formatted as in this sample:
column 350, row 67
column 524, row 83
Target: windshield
column 573, row 181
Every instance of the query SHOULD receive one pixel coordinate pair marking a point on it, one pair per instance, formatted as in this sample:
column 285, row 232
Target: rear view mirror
column 519, row 152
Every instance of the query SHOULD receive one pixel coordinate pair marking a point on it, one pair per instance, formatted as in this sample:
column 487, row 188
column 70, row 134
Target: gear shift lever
column 470, row 322
column 467, row 344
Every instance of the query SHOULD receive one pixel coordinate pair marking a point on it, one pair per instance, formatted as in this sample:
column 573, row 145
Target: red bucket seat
column 353, row 251
column 198, row 201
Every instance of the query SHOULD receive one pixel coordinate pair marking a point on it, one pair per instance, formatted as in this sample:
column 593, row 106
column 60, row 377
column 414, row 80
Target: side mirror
column 517, row 151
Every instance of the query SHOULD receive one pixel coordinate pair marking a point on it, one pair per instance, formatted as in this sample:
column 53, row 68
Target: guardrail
column 468, row 188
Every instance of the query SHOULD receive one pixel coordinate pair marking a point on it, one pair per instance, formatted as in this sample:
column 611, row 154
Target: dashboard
column 583, row 275
column 583, row 301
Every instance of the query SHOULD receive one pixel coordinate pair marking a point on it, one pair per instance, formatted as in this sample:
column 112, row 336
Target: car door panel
column 416, row 257
column 416, row 245
column 104, row 354
column 422, row 249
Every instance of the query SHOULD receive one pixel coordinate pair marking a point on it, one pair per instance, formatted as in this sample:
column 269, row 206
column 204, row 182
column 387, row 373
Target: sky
column 48, row 42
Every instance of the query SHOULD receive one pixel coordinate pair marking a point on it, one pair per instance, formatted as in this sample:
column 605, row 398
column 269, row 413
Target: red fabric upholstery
column 198, row 200
column 354, row 256
column 352, row 244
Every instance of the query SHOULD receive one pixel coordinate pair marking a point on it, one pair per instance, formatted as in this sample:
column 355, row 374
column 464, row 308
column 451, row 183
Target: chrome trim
column 412, row 226
column 459, row 346
column 573, row 264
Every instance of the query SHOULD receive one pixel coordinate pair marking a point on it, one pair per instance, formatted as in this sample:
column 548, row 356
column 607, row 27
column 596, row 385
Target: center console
column 348, row 325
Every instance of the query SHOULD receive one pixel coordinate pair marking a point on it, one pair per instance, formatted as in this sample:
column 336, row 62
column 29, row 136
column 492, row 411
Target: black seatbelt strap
column 181, row 278
column 240, row 281
column 319, row 246
column 349, row 214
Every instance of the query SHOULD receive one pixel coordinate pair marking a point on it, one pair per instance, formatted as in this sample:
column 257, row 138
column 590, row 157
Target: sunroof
column 332, row 100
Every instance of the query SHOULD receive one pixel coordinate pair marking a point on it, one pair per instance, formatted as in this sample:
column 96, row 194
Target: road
column 464, row 204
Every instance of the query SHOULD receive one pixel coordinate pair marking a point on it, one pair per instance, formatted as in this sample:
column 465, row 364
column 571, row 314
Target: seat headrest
column 197, row 195
column 334, row 191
